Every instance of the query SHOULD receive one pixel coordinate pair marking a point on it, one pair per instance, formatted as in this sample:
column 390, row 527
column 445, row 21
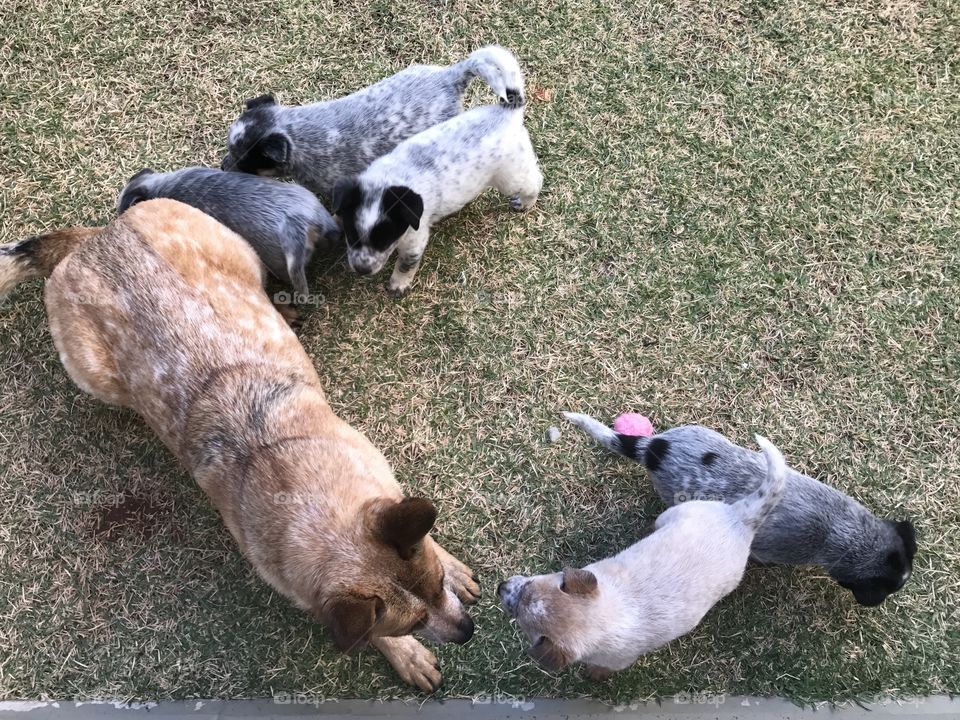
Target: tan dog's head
column 559, row 613
column 401, row 589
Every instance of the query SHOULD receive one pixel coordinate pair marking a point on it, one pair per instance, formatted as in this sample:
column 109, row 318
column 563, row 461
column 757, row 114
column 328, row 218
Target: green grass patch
column 750, row 221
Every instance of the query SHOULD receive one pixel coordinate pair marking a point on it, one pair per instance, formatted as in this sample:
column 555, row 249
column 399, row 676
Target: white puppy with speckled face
column 608, row 614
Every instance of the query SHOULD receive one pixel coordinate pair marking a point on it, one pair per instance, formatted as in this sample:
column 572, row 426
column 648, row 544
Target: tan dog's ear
column 404, row 524
column 578, row 582
column 351, row 619
column 548, row 655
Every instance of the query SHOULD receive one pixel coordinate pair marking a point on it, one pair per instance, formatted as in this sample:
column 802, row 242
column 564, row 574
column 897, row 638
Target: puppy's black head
column 893, row 570
column 134, row 191
column 373, row 228
column 256, row 144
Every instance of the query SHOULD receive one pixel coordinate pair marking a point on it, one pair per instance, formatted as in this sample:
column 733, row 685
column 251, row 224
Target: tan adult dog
column 163, row 311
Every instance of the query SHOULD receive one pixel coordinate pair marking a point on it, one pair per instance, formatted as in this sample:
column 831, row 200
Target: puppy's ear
column 351, row 619
column 275, row 147
column 404, row 524
column 346, row 196
column 129, row 198
column 401, row 204
column 259, row 101
column 906, row 532
column 578, row 582
column 145, row 171
column 548, row 655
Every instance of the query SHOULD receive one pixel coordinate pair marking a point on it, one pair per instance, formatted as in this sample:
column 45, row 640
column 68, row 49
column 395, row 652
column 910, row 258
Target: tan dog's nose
column 465, row 631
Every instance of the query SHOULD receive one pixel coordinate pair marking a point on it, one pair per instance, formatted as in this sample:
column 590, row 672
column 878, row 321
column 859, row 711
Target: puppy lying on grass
column 813, row 525
column 608, row 614
column 163, row 312
column 393, row 203
column 321, row 143
column 281, row 221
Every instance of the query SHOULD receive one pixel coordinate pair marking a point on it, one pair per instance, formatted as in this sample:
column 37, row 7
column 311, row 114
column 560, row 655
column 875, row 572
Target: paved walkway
column 295, row 707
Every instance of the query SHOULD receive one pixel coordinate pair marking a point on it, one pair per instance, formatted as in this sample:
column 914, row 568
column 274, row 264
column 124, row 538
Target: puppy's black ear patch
column 656, row 452
column 346, row 196
column 709, row 458
column 909, row 536
column 401, row 204
column 145, row 171
column 548, row 655
column 259, row 101
column 578, row 582
column 275, row 147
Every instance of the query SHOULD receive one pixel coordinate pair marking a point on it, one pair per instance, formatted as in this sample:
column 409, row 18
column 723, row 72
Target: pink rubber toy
column 633, row 424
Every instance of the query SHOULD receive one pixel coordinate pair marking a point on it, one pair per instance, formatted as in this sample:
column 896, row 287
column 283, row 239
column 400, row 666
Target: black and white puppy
column 280, row 220
column 393, row 203
column 323, row 142
column 813, row 524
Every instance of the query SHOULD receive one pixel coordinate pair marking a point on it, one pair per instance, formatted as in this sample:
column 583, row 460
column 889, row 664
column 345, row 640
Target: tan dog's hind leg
column 413, row 662
column 458, row 578
column 83, row 351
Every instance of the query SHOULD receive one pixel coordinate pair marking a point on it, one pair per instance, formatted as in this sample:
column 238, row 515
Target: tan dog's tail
column 38, row 255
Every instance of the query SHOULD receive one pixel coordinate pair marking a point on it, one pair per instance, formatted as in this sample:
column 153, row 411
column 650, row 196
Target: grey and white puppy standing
column 321, row 143
column 280, row 220
column 393, row 203
column 813, row 525
column 607, row 614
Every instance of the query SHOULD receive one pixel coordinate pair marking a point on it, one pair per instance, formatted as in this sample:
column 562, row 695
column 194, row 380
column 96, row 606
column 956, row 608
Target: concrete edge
column 713, row 707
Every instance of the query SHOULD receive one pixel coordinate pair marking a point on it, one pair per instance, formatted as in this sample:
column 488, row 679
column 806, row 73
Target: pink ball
column 633, row 424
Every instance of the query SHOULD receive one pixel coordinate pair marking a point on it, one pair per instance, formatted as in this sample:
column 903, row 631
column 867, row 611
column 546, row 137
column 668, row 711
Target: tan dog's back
column 165, row 296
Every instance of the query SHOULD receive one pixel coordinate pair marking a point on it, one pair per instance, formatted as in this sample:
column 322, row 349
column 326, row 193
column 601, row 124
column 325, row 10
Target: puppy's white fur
column 651, row 593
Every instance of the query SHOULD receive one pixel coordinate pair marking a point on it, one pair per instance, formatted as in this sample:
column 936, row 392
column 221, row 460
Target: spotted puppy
column 163, row 312
column 280, row 220
column 813, row 525
column 608, row 614
column 393, row 203
column 323, row 142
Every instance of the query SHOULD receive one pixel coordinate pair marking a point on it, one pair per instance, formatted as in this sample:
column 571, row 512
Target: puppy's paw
column 291, row 314
column 414, row 663
column 597, row 673
column 397, row 290
column 520, row 205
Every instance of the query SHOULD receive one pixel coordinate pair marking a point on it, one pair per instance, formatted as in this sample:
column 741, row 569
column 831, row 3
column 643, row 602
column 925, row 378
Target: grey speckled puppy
column 813, row 525
column 321, row 143
column 280, row 220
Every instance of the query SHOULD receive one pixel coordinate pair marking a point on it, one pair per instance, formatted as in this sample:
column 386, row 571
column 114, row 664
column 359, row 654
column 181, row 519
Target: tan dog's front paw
column 458, row 578
column 413, row 662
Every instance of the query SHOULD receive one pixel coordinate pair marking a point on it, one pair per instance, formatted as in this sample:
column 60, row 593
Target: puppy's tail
column 631, row 446
column 38, row 255
column 755, row 507
column 499, row 69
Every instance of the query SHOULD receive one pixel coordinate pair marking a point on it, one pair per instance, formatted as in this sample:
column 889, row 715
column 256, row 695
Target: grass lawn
column 750, row 220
